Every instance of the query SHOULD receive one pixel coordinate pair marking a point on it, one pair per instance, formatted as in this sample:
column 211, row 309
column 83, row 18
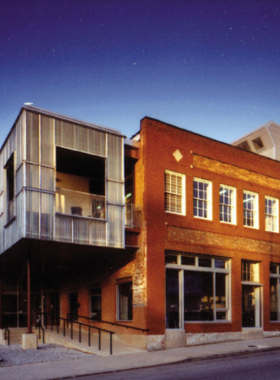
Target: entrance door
column 73, row 306
column 172, row 299
column 251, row 306
column 51, row 308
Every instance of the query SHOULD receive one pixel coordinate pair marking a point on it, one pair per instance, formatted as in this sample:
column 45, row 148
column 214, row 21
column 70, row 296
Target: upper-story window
column 174, row 192
column 202, row 198
column 10, row 188
column 250, row 209
column 227, row 204
column 250, row 271
column 271, row 214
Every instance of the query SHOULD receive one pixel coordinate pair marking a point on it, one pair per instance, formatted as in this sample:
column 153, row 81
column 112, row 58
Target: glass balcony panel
column 81, row 204
column 132, row 216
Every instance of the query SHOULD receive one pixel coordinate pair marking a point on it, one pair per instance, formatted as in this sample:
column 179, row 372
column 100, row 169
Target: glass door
column 251, row 306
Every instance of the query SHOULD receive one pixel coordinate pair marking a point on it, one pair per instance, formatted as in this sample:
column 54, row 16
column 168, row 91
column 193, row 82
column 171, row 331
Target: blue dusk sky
column 212, row 67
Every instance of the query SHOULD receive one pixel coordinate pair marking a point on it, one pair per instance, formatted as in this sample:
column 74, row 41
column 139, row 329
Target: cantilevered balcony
column 80, row 218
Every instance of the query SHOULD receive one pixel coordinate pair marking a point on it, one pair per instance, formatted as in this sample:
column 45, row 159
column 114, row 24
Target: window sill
column 251, row 227
column 10, row 222
column 201, row 218
column 211, row 322
column 272, row 232
column 175, row 213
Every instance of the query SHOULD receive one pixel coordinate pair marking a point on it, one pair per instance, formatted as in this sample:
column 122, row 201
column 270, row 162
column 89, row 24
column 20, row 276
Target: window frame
column 232, row 207
column 254, row 210
column 275, row 276
column 93, row 292
column 250, row 272
column 208, row 201
column 214, row 269
column 118, row 301
column 168, row 208
column 275, row 218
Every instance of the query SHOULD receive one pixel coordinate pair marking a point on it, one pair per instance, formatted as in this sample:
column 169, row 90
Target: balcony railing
column 71, row 202
column 132, row 216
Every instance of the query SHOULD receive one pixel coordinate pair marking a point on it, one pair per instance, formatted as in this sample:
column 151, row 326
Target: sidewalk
column 97, row 364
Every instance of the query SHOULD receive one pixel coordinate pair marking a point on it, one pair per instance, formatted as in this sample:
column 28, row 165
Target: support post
column 29, row 329
column 1, row 324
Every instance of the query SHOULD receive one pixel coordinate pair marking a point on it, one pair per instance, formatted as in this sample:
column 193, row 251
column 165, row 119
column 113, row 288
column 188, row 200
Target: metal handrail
column 115, row 324
column 40, row 327
column 66, row 322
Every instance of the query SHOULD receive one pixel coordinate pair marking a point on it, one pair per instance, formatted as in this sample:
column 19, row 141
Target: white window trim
column 275, row 216
column 255, row 210
column 277, row 276
column 232, row 206
column 208, row 200
column 213, row 270
column 183, row 196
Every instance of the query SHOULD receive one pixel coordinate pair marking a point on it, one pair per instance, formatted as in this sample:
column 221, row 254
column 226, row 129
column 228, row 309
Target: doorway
column 51, row 307
column 73, row 306
column 251, row 306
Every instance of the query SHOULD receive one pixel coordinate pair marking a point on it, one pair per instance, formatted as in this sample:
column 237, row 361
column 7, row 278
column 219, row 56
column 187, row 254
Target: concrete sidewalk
column 96, row 364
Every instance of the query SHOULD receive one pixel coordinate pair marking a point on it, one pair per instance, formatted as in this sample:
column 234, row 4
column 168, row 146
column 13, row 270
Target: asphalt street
column 261, row 366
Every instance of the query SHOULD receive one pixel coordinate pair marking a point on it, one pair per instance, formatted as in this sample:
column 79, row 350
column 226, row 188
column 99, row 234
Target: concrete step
column 16, row 335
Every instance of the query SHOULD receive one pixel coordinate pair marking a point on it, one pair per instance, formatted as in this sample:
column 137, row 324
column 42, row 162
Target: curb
column 254, row 350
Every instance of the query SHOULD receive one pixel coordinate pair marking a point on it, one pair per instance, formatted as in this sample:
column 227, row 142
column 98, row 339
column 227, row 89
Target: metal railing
column 115, row 324
column 77, row 203
column 132, row 216
column 65, row 325
column 41, row 330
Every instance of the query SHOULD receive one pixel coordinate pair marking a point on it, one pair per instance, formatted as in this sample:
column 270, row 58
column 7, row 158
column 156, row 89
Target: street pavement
column 118, row 362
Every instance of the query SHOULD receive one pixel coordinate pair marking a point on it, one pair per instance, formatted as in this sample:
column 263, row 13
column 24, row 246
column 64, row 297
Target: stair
column 16, row 335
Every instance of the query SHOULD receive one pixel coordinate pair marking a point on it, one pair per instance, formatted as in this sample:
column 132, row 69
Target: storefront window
column 199, row 290
column 274, row 292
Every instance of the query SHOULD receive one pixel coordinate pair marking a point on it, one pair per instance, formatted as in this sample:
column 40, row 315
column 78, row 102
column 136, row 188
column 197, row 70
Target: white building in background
column 264, row 140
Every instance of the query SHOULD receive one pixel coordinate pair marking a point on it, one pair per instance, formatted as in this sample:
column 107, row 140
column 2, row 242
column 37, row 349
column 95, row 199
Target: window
column 244, row 145
column 271, row 214
column 95, row 303
column 174, row 187
column 274, row 292
column 204, row 286
column 250, row 209
column 250, row 271
column 10, row 188
column 202, row 199
column 227, row 204
column 124, row 301
column 258, row 144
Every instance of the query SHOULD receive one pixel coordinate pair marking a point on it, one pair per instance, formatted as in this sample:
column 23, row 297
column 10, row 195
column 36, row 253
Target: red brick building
column 171, row 234
column 210, row 236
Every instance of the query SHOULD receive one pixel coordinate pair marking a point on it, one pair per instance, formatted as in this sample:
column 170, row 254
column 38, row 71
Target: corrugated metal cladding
column 37, row 207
